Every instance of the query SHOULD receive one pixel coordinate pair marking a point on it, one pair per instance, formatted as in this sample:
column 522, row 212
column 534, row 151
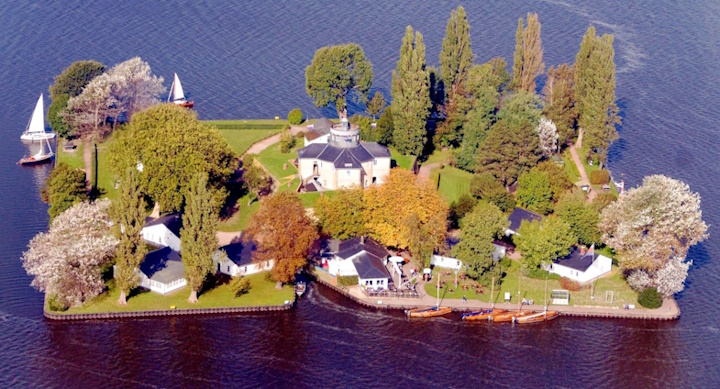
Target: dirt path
column 225, row 238
column 426, row 170
column 87, row 157
column 258, row 147
column 583, row 175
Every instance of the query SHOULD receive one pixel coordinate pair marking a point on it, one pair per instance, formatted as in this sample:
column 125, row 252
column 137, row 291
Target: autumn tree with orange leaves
column 283, row 233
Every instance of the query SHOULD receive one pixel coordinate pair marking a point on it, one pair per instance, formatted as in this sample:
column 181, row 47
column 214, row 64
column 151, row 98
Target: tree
column 65, row 261
column 521, row 109
column 559, row 97
column 335, row 72
column 255, row 178
column 559, row 180
column 508, row 151
column 69, row 83
column 411, row 95
column 54, row 117
column 385, row 127
column 139, row 89
column 533, row 191
column 198, row 236
column 460, row 208
column 295, row 116
column 456, row 55
column 342, row 216
column 544, row 241
column 283, row 233
column 528, row 55
column 171, row 146
column 670, row 279
column 479, row 228
column 595, row 91
column 376, row 105
column 128, row 214
column 548, row 137
column 485, row 186
column 659, row 220
column 64, row 188
column 239, row 286
column 582, row 217
column 423, row 238
column 389, row 207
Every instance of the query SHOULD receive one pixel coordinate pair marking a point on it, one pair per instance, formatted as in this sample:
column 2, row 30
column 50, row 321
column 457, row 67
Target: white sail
column 178, row 94
column 37, row 122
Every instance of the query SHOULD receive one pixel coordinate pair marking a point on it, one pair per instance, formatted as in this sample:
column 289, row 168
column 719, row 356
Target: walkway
column 583, row 175
column 87, row 157
column 259, row 146
column 426, row 170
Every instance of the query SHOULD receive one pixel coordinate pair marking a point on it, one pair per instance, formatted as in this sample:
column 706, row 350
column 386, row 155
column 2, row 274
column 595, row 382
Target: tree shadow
column 236, row 190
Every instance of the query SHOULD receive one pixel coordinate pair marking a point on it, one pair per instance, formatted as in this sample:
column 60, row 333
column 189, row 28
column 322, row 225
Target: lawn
column 262, row 292
column 73, row 158
column 454, row 183
column 106, row 180
column 448, row 289
column 239, row 220
column 273, row 160
column 241, row 134
column 439, row 156
column 570, row 167
column 309, row 199
column 402, row 161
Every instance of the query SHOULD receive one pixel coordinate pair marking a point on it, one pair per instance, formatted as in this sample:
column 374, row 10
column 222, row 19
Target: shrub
column 55, row 304
column 599, row 177
column 239, row 286
column 540, row 274
column 287, row 142
column 569, row 284
column 347, row 280
column 639, row 280
column 650, row 298
column 295, row 116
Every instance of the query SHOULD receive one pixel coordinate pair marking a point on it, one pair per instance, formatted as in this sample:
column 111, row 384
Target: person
column 464, row 299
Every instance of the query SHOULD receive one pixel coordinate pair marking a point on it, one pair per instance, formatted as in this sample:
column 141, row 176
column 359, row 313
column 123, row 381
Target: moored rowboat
column 538, row 317
column 428, row 312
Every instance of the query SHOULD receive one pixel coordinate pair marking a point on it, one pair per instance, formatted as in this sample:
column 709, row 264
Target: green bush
column 347, row 280
column 287, row 142
column 239, row 286
column 540, row 274
column 295, row 116
column 650, row 298
column 599, row 177
column 55, row 304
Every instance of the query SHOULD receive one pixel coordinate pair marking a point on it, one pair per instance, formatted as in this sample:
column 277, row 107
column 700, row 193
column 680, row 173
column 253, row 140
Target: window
column 370, row 282
column 228, row 268
column 348, row 172
column 320, row 163
column 375, row 162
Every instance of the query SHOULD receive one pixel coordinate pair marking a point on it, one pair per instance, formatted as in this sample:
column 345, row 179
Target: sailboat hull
column 33, row 136
column 428, row 312
column 186, row 104
column 481, row 315
column 35, row 160
column 538, row 317
column 509, row 316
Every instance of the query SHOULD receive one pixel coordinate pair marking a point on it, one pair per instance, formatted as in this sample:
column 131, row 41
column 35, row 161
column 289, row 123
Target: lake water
column 247, row 59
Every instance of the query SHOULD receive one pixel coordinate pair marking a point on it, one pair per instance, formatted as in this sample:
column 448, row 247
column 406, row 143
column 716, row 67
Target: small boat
column 35, row 129
column 509, row 316
column 537, row 317
column 428, row 312
column 300, row 288
column 482, row 315
column 177, row 95
column 40, row 157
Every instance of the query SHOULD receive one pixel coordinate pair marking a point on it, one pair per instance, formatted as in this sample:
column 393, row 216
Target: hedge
column 599, row 177
column 650, row 298
column 347, row 280
column 295, row 116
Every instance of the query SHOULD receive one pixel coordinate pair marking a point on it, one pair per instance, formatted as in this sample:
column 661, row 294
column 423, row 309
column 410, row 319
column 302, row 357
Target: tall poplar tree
column 595, row 91
column 411, row 95
column 128, row 214
column 456, row 55
column 528, row 54
column 559, row 97
column 197, row 238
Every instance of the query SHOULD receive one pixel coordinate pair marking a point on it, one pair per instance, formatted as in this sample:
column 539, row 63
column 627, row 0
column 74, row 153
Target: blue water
column 247, row 59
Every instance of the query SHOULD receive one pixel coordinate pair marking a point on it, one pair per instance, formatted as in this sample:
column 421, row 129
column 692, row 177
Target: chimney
column 362, row 239
column 582, row 250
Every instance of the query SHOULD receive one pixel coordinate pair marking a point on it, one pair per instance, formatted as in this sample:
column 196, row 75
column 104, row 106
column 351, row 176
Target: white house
column 235, row 259
column 162, row 271
column 516, row 218
column 359, row 257
column 582, row 266
column 164, row 231
column 456, row 264
column 341, row 160
column 318, row 132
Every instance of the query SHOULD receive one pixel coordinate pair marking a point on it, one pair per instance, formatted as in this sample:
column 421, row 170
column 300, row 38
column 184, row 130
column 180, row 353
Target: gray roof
column 577, row 261
column 312, row 150
column 376, row 149
column 163, row 265
column 322, row 126
column 370, row 266
column 339, row 156
column 518, row 215
column 172, row 221
column 350, row 247
column 346, row 160
column 239, row 253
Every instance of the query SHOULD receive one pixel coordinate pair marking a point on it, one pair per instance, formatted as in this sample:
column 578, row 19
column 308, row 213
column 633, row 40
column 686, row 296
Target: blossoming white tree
column 670, row 279
column 547, row 132
column 65, row 261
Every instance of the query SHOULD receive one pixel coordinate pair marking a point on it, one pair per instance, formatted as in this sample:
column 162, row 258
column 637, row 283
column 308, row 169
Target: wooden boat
column 300, row 288
column 40, row 157
column 508, row 316
column 482, row 315
column 538, row 317
column 177, row 95
column 428, row 312
column 35, row 129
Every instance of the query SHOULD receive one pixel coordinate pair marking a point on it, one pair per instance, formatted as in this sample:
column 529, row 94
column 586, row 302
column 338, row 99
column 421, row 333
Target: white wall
column 601, row 266
column 230, row 268
column 160, row 235
column 159, row 287
column 341, row 267
column 381, row 170
column 446, row 262
column 348, row 177
column 305, row 167
column 321, row 139
column 375, row 283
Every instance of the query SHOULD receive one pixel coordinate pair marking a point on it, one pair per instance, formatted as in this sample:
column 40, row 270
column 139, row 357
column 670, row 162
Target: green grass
column 454, row 183
column 106, row 180
column 272, row 159
column 448, row 289
column 309, row 199
column 241, row 134
column 73, row 158
column 240, row 219
column 439, row 156
column 570, row 167
column 402, row 161
column 262, row 292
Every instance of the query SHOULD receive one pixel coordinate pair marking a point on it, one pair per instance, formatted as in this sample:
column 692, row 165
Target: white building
column 162, row 271
column 365, row 259
column 456, row 264
column 164, row 231
column 339, row 159
column 235, row 260
column 318, row 132
column 582, row 266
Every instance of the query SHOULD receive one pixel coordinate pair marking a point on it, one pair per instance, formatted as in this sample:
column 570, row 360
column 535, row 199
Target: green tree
column 595, row 91
column 544, row 241
column 485, row 186
column 517, row 68
column 239, row 286
column 559, row 180
column 456, row 55
column 198, row 236
column 69, row 83
column 521, row 109
column 423, row 238
column 411, row 95
column 255, row 178
column 335, row 72
column 478, row 230
column 342, row 216
column 534, row 192
column 128, row 214
column 56, row 121
column 583, row 218
column 559, row 97
column 295, row 116
column 508, row 151
column 367, row 132
column 460, row 208
column 532, row 55
column 64, row 188
column 385, row 127
column 376, row 105
column 171, row 146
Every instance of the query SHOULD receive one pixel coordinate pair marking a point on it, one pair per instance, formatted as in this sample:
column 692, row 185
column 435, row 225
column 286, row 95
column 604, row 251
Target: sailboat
column 177, row 96
column 511, row 315
column 437, row 310
column 541, row 316
column 485, row 313
column 40, row 156
column 35, row 129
